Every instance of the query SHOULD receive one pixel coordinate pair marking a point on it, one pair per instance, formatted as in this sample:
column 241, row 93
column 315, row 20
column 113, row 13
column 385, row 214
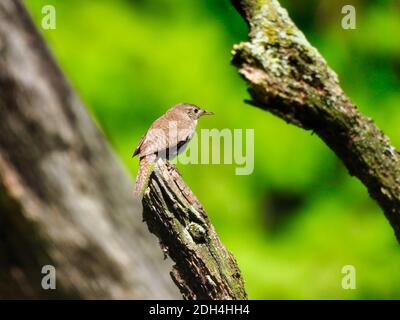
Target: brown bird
column 167, row 137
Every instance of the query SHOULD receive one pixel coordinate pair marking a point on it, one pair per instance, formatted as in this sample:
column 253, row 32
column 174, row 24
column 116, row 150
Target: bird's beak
column 206, row 113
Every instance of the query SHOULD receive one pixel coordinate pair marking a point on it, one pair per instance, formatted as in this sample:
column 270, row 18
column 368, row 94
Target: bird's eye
column 196, row 110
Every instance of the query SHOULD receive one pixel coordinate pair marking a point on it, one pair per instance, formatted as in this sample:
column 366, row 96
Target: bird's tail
column 146, row 167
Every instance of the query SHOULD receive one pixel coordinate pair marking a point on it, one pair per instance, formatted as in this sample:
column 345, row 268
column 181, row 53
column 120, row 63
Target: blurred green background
column 299, row 218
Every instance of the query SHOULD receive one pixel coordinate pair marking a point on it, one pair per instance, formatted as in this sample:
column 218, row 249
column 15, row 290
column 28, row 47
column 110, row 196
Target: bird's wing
column 160, row 138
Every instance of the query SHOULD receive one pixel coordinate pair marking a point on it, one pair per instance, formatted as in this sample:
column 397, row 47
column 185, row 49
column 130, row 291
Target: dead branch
column 204, row 268
column 289, row 78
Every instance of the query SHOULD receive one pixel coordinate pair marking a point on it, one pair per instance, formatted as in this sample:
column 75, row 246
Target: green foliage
column 131, row 60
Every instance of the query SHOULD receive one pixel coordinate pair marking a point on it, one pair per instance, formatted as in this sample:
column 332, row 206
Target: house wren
column 167, row 137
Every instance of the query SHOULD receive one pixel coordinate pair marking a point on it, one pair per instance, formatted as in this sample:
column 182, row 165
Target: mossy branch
column 289, row 78
column 204, row 268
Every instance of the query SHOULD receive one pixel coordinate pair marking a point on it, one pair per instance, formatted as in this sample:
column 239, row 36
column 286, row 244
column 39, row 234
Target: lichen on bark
column 289, row 77
column 204, row 268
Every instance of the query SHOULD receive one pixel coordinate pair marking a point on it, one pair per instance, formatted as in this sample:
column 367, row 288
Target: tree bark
column 289, row 78
column 64, row 198
column 204, row 268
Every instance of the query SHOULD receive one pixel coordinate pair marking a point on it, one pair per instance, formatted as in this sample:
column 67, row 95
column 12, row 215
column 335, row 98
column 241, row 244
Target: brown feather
column 167, row 136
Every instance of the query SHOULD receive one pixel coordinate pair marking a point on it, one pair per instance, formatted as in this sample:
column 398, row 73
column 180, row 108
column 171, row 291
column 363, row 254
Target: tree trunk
column 288, row 77
column 64, row 198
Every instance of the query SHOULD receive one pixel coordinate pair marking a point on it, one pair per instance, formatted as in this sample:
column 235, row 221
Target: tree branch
column 204, row 268
column 289, row 78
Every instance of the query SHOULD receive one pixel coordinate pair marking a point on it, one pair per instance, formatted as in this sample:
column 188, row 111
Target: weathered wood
column 289, row 78
column 64, row 198
column 204, row 268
